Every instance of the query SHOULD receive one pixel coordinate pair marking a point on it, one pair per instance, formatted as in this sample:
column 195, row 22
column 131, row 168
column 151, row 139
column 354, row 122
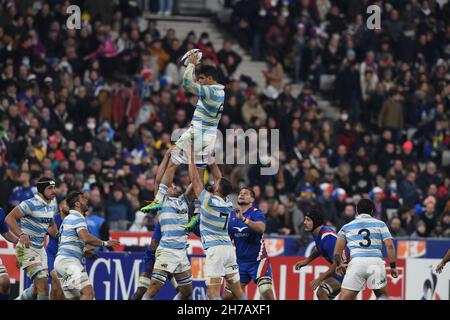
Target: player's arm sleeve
column 258, row 216
column 80, row 225
column 328, row 243
column 157, row 232
column 385, row 233
column 341, row 234
column 191, row 86
column 203, row 195
column 24, row 208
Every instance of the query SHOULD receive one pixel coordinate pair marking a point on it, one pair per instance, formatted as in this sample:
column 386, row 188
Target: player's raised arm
column 162, row 168
column 189, row 83
column 215, row 171
column 193, row 174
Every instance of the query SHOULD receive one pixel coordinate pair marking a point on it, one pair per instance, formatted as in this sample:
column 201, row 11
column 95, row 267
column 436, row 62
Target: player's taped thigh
column 234, row 278
column 159, row 277
column 144, row 282
column 264, row 284
column 329, row 290
column 37, row 271
column 184, row 281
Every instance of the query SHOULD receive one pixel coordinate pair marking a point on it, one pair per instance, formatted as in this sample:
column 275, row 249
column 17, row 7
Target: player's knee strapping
column 329, row 290
column 264, row 284
column 235, row 278
column 160, row 277
column 184, row 281
column 144, row 282
column 37, row 272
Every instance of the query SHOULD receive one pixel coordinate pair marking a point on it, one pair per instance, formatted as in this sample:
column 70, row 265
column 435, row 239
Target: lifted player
column 329, row 283
column 206, row 118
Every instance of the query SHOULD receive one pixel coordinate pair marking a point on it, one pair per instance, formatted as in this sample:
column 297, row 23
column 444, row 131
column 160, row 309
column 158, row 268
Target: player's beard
column 242, row 203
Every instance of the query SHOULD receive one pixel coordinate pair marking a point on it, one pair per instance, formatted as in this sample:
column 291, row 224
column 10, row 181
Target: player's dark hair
column 208, row 71
column 250, row 190
column 72, row 198
column 225, row 187
column 365, row 206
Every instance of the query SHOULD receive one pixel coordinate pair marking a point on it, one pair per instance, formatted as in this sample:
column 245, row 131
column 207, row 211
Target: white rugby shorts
column 361, row 270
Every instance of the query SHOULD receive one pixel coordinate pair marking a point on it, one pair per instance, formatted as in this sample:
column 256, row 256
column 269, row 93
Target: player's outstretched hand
column 439, row 267
column 300, row 264
column 113, row 243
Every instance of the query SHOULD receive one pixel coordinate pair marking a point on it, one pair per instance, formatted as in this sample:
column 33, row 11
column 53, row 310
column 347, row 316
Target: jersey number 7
column 226, row 220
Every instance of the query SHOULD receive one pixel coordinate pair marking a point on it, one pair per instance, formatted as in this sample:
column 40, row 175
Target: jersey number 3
column 366, row 237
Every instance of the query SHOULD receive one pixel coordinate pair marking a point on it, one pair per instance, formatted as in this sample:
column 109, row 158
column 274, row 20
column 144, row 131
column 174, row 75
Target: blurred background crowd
column 95, row 108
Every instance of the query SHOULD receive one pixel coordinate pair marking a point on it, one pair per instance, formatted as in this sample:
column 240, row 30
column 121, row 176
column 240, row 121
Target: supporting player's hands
column 440, row 266
column 25, row 240
column 301, row 264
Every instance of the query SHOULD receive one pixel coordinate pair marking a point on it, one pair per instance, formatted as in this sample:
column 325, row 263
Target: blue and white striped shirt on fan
column 173, row 216
column 214, row 218
column 365, row 236
column 38, row 215
column 70, row 245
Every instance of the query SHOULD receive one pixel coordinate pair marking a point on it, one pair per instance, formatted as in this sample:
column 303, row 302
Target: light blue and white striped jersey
column 38, row 215
column 209, row 108
column 173, row 216
column 365, row 236
column 214, row 218
column 70, row 245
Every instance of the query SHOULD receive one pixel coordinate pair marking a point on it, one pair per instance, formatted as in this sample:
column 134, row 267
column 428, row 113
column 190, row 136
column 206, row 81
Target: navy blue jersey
column 249, row 243
column 52, row 246
column 3, row 225
column 325, row 243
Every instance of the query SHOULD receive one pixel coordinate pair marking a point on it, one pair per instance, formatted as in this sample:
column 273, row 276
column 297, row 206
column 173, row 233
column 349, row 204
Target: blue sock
column 4, row 296
column 42, row 297
column 244, row 297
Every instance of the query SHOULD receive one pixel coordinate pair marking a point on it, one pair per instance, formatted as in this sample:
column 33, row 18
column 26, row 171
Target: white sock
column 146, row 297
column 162, row 190
column 177, row 297
column 26, row 294
column 42, row 297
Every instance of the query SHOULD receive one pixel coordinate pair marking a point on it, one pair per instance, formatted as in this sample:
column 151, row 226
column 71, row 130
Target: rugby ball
column 184, row 59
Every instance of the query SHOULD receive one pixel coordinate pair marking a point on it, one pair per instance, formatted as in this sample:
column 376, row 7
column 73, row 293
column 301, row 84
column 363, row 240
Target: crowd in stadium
column 95, row 108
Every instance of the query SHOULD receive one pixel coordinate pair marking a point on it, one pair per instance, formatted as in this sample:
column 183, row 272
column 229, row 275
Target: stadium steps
column 184, row 24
